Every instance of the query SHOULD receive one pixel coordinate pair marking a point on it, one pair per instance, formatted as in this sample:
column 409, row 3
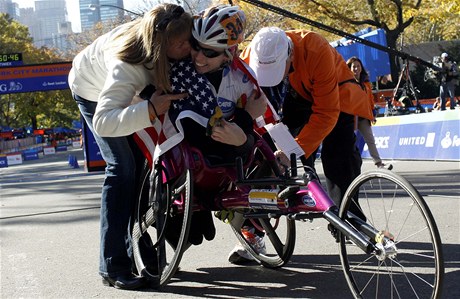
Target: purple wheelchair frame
column 301, row 197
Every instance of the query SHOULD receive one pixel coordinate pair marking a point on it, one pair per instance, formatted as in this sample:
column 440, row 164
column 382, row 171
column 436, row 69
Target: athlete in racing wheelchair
column 217, row 119
column 376, row 255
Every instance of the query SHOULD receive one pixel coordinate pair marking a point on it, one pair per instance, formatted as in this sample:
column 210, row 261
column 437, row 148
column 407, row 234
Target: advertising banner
column 30, row 78
column 49, row 150
column 93, row 157
column 30, row 155
column 14, row 159
column 425, row 136
column 3, row 161
column 449, row 141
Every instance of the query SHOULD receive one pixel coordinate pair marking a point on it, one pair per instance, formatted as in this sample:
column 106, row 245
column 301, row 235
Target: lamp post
column 94, row 6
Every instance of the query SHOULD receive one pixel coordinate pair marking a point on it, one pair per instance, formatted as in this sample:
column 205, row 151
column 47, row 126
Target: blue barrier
column 30, row 155
column 425, row 136
column 3, row 161
column 61, row 148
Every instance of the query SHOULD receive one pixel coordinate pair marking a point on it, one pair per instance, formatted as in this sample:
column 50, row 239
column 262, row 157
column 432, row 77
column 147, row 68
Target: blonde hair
column 143, row 42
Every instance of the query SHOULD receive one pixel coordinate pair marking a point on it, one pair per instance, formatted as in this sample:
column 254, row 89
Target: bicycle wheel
column 168, row 210
column 409, row 261
column 279, row 239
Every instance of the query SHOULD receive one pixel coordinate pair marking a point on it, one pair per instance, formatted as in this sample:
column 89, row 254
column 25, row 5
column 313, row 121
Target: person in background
column 449, row 78
column 364, row 124
column 310, row 85
column 104, row 79
column 437, row 104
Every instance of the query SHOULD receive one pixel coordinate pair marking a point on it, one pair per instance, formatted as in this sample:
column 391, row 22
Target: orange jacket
column 321, row 76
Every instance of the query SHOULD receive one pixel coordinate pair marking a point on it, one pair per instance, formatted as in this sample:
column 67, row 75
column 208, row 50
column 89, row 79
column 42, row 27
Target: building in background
column 47, row 21
column 12, row 9
column 103, row 11
column 53, row 23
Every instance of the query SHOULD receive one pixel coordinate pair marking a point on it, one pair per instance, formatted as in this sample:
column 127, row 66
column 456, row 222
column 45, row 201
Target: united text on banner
column 425, row 136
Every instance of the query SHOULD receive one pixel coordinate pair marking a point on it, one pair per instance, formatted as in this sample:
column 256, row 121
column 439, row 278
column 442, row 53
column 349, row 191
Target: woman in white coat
column 104, row 79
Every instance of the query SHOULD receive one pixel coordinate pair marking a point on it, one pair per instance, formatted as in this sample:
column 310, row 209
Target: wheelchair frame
column 383, row 226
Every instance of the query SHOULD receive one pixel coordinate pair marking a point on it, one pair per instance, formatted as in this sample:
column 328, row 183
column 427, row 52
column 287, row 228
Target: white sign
column 49, row 150
column 14, row 159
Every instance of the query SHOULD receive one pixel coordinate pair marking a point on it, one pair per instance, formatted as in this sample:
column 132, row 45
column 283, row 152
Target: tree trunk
column 395, row 66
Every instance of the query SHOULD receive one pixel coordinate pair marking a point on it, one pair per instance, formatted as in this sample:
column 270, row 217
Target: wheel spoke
column 270, row 232
column 280, row 241
column 406, row 265
column 154, row 220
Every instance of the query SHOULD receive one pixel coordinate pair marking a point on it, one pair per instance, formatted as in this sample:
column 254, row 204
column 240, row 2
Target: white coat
column 96, row 75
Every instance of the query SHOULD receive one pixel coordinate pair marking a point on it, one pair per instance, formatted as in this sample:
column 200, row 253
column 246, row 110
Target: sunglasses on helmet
column 209, row 53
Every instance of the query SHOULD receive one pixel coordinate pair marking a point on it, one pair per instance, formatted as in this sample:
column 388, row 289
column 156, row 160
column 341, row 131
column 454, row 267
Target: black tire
column 410, row 263
column 167, row 210
column 279, row 233
column 279, row 239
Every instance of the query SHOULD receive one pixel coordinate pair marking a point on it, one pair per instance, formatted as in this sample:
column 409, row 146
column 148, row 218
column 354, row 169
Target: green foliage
column 36, row 109
column 415, row 20
column 412, row 21
column 436, row 20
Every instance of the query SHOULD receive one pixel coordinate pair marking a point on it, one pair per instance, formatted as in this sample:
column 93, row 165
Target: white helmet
column 220, row 26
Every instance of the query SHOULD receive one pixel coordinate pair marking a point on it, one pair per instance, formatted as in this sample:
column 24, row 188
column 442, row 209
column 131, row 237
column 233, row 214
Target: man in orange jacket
column 316, row 94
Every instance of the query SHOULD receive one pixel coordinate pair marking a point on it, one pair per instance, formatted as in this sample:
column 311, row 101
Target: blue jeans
column 447, row 90
column 118, row 197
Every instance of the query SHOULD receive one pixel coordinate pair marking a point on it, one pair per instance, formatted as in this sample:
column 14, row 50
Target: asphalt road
column 49, row 226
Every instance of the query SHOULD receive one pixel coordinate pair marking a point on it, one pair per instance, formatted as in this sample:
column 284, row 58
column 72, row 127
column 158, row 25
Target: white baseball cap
column 269, row 53
column 444, row 55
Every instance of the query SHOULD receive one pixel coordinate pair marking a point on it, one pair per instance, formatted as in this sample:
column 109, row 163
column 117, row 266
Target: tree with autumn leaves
column 411, row 22
column 36, row 109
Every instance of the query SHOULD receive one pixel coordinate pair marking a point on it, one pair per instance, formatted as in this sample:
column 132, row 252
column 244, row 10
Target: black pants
column 339, row 155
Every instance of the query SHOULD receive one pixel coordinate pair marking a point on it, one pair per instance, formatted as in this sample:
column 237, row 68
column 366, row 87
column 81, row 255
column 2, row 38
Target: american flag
column 200, row 105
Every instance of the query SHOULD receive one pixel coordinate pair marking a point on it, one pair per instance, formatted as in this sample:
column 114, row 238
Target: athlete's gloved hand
column 225, row 215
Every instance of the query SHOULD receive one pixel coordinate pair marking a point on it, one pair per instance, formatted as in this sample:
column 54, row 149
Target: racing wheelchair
column 389, row 244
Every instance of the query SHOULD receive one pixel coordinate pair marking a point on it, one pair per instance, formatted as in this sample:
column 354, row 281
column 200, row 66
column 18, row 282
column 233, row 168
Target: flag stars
column 201, row 98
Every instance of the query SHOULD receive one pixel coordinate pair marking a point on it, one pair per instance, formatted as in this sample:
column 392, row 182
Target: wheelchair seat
column 209, row 177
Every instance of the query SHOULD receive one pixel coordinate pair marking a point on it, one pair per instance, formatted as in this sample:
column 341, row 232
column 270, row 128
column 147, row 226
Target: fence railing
column 16, row 145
